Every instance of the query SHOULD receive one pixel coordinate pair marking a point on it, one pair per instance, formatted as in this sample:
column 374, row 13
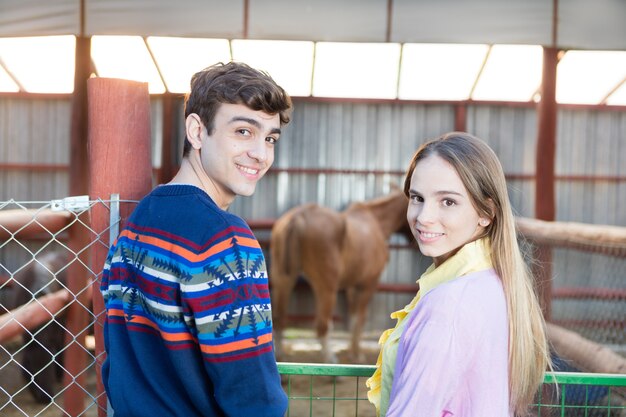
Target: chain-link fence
column 581, row 269
column 48, row 356
column 49, row 359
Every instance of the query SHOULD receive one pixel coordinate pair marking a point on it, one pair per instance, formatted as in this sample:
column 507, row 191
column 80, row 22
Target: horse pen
column 588, row 318
column 313, row 388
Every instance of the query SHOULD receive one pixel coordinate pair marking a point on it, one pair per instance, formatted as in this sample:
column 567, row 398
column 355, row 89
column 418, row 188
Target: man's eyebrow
column 253, row 122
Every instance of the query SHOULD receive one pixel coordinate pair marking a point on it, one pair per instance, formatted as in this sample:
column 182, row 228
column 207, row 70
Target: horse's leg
column 282, row 287
column 358, row 312
column 325, row 300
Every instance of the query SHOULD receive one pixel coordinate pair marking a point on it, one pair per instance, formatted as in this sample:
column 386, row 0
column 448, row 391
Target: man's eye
column 271, row 140
column 244, row 132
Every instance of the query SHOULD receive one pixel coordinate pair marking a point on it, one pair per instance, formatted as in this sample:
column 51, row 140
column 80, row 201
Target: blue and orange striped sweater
column 188, row 329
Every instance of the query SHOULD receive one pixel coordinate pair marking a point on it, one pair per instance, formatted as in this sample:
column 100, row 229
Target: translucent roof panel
column 6, row 82
column 511, row 73
column 618, row 98
column 290, row 63
column 196, row 54
column 43, row 64
column 587, row 77
column 356, row 70
column 439, row 71
column 126, row 57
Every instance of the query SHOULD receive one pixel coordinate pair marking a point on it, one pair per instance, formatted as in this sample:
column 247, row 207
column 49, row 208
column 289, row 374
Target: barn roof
column 567, row 24
column 403, row 28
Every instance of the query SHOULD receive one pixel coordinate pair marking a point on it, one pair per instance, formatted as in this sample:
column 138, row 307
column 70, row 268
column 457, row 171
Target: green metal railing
column 339, row 391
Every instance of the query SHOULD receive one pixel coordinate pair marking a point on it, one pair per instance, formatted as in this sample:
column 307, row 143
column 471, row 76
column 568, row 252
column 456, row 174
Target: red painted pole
column 78, row 275
column 31, row 224
column 31, row 315
column 119, row 163
column 545, row 200
column 460, row 117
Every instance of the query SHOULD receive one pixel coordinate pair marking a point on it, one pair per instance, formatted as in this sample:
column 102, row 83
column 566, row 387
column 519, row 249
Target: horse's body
column 333, row 251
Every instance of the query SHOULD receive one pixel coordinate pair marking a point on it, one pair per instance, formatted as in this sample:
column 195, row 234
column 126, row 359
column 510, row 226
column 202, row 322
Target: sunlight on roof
column 179, row 58
column 290, row 63
column 511, row 73
column 356, row 70
column 125, row 57
column 618, row 98
column 45, row 64
column 439, row 72
column 41, row 64
column 587, row 77
column 6, row 82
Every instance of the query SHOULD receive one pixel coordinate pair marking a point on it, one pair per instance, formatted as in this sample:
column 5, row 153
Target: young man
column 188, row 329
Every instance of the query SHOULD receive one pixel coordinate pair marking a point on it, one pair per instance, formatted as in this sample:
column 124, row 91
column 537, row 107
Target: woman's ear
column 193, row 129
column 486, row 221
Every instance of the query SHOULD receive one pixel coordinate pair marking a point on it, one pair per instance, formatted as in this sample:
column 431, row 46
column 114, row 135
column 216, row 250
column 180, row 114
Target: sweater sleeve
column 227, row 304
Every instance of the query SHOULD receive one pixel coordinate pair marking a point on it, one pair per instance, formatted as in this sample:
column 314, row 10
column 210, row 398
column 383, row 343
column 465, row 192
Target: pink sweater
column 453, row 354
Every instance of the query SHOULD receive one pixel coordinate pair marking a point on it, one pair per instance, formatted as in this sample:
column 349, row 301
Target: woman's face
column 440, row 213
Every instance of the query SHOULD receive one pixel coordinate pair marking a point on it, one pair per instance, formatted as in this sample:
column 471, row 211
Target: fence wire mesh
column 47, row 350
column 589, row 295
column 339, row 391
column 48, row 360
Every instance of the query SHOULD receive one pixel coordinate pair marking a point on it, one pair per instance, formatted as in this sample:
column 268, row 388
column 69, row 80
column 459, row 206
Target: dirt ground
column 310, row 396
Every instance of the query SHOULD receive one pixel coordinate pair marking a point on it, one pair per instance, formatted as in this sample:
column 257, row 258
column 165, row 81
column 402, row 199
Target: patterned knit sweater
column 188, row 330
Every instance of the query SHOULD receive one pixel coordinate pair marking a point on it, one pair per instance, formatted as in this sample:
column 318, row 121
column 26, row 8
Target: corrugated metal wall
column 34, row 131
column 358, row 137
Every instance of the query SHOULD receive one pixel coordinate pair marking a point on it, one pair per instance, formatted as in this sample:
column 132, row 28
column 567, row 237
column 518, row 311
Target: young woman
column 472, row 342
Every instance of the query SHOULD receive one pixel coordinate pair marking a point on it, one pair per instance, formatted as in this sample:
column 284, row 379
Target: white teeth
column 248, row 170
column 429, row 235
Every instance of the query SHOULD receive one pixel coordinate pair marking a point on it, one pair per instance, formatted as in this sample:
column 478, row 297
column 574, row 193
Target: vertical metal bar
column 311, row 396
column 289, row 396
column 334, row 394
column 356, row 395
column 114, row 218
column 545, row 203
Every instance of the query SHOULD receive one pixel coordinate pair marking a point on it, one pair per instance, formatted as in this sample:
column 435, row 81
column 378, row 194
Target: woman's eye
column 416, row 199
column 449, row 203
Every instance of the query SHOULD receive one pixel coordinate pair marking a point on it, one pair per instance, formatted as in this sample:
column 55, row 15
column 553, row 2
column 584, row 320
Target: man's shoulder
column 194, row 224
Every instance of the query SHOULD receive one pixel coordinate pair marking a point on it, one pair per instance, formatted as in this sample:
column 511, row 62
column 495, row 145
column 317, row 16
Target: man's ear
column 193, row 129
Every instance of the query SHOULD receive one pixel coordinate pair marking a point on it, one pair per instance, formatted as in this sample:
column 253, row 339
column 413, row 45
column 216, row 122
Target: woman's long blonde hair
column 483, row 177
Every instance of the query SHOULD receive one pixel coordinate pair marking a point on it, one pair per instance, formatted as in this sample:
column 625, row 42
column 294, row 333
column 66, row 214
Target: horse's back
column 307, row 239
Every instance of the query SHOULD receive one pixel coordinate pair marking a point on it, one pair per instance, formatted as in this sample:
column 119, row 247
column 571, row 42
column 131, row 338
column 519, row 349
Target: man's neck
column 188, row 174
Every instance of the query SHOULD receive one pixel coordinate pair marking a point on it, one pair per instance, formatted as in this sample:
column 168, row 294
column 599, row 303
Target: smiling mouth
column 249, row 171
column 427, row 235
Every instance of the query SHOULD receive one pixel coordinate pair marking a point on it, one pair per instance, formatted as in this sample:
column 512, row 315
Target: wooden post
column 545, row 206
column 119, row 162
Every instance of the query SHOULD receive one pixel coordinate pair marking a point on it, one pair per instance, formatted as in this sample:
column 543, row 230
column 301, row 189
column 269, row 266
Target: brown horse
column 333, row 251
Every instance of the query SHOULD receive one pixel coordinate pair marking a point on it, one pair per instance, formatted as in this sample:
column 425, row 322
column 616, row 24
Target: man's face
column 239, row 151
